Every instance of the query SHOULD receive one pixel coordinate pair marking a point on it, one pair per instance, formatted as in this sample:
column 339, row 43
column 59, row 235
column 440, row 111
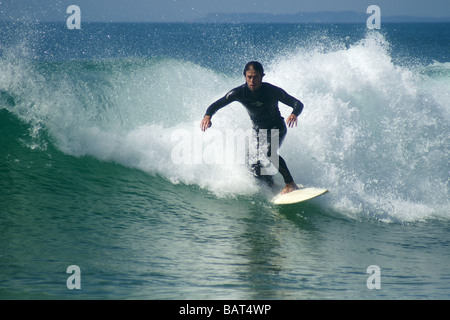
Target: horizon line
column 320, row 17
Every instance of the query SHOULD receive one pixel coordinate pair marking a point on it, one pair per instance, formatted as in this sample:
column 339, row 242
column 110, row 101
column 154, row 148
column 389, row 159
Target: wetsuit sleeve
column 289, row 100
column 222, row 102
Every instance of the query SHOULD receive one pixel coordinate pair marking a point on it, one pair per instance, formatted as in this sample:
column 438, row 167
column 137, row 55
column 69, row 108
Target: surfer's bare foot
column 289, row 188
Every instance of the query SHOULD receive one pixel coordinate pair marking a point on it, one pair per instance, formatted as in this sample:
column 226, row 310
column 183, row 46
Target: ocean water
column 103, row 164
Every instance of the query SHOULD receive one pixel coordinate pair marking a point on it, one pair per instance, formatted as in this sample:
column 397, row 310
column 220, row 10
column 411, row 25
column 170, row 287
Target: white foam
column 369, row 128
column 371, row 132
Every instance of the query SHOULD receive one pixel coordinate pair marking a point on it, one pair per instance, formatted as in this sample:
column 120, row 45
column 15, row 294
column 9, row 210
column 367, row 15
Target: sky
column 190, row 10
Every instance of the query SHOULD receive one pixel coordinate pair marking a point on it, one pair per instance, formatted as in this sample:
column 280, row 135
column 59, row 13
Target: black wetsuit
column 262, row 106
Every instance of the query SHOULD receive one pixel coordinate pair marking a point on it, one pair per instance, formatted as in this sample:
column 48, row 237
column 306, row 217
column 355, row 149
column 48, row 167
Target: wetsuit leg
column 284, row 171
column 282, row 167
column 258, row 166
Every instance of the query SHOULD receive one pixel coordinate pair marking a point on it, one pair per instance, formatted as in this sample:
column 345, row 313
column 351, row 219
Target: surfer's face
column 254, row 79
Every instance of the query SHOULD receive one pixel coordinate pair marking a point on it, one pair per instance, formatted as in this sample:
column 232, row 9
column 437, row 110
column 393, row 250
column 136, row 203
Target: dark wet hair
column 255, row 65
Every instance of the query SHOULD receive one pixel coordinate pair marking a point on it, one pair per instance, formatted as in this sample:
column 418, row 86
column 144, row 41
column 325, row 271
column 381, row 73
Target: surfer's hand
column 291, row 120
column 206, row 123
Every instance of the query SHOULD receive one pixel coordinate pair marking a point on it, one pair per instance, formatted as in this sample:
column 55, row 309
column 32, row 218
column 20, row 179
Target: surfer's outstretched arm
column 219, row 104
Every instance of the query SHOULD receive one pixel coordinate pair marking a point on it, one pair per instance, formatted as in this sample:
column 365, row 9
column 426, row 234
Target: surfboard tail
column 299, row 195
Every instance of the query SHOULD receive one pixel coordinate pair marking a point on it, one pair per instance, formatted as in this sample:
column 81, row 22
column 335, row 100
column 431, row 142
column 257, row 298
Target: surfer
column 261, row 101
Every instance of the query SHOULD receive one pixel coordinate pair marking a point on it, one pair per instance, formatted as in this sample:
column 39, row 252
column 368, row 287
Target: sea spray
column 373, row 132
column 370, row 131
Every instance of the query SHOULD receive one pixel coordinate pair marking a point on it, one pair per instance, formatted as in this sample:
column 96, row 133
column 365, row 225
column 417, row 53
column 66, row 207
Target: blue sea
column 103, row 164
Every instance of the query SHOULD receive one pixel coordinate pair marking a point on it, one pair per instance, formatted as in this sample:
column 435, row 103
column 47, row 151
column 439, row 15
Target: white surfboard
column 299, row 195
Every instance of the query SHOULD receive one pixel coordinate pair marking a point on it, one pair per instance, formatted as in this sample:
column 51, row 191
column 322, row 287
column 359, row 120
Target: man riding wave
column 261, row 101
